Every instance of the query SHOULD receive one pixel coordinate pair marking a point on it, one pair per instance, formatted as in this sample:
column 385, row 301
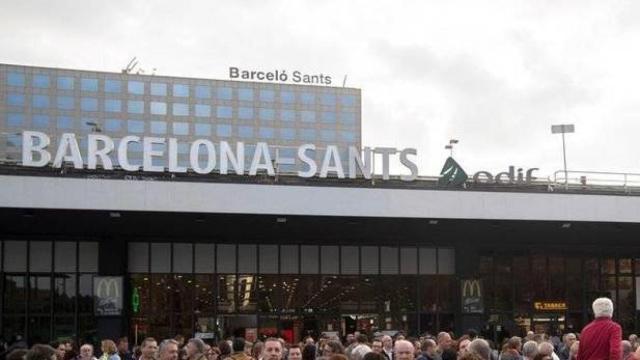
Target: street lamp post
column 450, row 146
column 563, row 129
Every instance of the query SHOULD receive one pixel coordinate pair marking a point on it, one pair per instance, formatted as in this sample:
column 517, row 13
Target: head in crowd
column 529, row 336
column 168, row 350
column 462, row 346
column 86, row 351
column 376, row 346
column 17, row 354
column 41, row 352
column 403, row 350
column 373, row 356
column 569, row 339
column 471, row 333
column 387, row 342
column 272, row 349
column 350, row 339
column 225, row 348
column 248, row 347
column 542, row 357
column 123, row 345
column 602, row 307
column 573, row 351
column 444, row 340
column 309, row 352
column 338, row 357
column 60, row 349
column 108, row 347
column 149, row 348
column 530, row 350
column 238, row 344
column 362, row 338
column 429, row 347
column 332, row 347
column 295, row 353
column 68, row 344
column 627, row 348
column 480, row 347
column 545, row 348
column 308, row 340
column 180, row 339
column 195, row 348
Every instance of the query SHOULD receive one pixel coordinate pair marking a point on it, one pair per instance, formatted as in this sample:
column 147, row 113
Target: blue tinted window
column 183, row 148
column 88, row 104
column 203, row 92
column 158, row 89
column 158, row 127
column 245, row 113
column 41, row 81
column 40, row 121
column 267, row 95
column 328, row 99
column 223, row 112
column 348, row 117
column 181, row 128
column 328, row 117
column 180, row 90
column 112, row 105
column 65, row 122
column 328, row 135
column 15, row 79
column 266, row 132
column 307, row 116
column 307, row 98
column 180, row 109
column 288, row 97
column 89, row 84
column 288, row 115
column 112, row 124
column 15, row 120
column 14, row 140
column 203, row 129
column 349, row 136
column 112, row 86
column 287, row 133
column 65, row 103
column 223, row 130
column 245, row 94
column 135, row 146
column 135, row 87
column 224, row 93
column 135, row 126
column 308, row 134
column 15, row 99
column 40, row 101
column 203, row 110
column 348, row 100
column 267, row 114
column 65, row 83
column 135, row 107
column 245, row 131
column 158, row 108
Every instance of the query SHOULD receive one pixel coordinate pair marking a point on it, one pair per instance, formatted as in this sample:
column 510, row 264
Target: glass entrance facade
column 47, row 289
column 288, row 290
column 514, row 282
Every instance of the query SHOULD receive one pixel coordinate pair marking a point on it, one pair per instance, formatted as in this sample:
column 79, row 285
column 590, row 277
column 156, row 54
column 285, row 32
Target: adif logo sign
column 107, row 292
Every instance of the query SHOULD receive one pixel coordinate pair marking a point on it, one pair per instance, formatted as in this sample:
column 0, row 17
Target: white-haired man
column 601, row 339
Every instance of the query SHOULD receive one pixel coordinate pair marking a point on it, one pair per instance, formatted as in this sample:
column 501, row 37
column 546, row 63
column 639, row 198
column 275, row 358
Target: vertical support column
column 112, row 261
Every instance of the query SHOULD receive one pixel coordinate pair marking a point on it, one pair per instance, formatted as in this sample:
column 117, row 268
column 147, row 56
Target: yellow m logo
column 107, row 287
column 471, row 288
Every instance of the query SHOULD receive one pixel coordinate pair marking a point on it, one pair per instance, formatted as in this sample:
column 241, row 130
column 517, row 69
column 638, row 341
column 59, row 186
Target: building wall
column 285, row 116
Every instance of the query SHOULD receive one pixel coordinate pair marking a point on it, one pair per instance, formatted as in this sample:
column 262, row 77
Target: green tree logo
column 452, row 174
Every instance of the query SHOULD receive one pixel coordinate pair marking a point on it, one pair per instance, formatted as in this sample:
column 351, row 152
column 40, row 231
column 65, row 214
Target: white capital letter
column 68, row 142
column 227, row 156
column 93, row 153
column 211, row 156
column 329, row 155
column 123, row 156
column 29, row 147
column 307, row 160
column 173, row 157
column 262, row 152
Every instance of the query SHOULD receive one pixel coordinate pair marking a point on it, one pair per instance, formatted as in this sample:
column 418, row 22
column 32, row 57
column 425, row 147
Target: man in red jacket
column 601, row 339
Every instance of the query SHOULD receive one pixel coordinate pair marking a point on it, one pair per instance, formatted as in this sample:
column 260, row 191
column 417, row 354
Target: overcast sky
column 493, row 74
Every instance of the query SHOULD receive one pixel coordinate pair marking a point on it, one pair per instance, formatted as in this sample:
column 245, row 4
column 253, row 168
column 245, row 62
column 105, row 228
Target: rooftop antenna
column 344, row 82
column 132, row 64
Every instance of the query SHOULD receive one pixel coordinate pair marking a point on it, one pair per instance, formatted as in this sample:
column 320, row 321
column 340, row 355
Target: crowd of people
column 599, row 340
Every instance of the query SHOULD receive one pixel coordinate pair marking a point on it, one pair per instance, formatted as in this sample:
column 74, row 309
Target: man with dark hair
column 149, row 349
column 123, row 349
column 41, row 352
column 238, row 344
column 429, row 350
column 295, row 353
column 17, row 354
